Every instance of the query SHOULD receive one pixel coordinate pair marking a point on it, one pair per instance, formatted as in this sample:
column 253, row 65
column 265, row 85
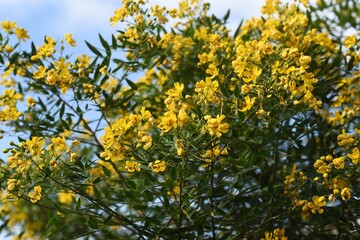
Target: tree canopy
column 247, row 133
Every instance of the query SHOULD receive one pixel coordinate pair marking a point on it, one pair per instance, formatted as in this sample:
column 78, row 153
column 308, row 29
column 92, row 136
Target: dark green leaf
column 227, row 15
column 60, row 209
column 105, row 44
column 237, row 31
column 52, row 221
column 43, row 106
column 113, row 42
column 78, row 204
column 106, row 171
column 62, row 110
column 93, row 223
column 132, row 84
column 94, row 49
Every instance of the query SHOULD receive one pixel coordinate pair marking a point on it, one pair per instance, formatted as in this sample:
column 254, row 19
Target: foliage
column 228, row 135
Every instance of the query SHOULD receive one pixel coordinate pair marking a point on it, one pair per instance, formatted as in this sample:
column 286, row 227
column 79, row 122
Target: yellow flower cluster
column 277, row 234
column 118, row 140
column 29, row 158
column 334, row 172
column 11, row 28
column 217, row 151
column 36, row 195
column 9, row 99
column 176, row 114
column 215, row 126
column 157, row 166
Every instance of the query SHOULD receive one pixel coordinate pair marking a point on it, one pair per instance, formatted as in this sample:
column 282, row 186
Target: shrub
column 244, row 134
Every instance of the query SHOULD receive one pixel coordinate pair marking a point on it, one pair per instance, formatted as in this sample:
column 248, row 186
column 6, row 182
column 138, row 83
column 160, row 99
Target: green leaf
column 62, row 110
column 237, row 31
column 52, row 221
column 132, row 84
column 132, row 184
column 227, row 15
column 20, row 88
column 224, row 90
column 105, row 44
column 60, row 209
column 43, row 106
column 33, row 48
column 93, row 223
column 78, row 204
column 174, row 174
column 96, row 181
column 94, row 49
column 49, row 117
column 106, row 171
column 113, row 41
column 133, row 196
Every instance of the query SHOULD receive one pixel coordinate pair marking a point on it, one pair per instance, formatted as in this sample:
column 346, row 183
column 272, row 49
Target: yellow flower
column 132, row 166
column 207, row 90
column 35, row 145
column 345, row 193
column 349, row 41
column 21, row 34
column 69, row 39
column 182, row 116
column 215, row 126
column 8, row 26
column 58, row 145
column 66, row 197
column 355, row 155
column 8, row 49
column 345, row 139
column 9, row 113
column 176, row 91
column 157, row 166
column 277, row 234
column 75, row 143
column 212, row 70
column 304, row 61
column 11, row 184
column 339, row 162
column 73, row 157
column 158, row 13
column 316, row 204
column 131, row 34
column 40, row 73
column 119, row 15
column 30, row 101
column 168, row 121
column 173, row 12
column 249, row 102
column 36, row 195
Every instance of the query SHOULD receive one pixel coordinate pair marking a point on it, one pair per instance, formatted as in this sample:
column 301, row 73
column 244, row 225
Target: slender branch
column 212, row 214
column 181, row 197
column 81, row 118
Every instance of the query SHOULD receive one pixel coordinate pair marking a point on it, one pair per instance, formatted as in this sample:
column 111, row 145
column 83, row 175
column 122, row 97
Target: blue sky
column 86, row 18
